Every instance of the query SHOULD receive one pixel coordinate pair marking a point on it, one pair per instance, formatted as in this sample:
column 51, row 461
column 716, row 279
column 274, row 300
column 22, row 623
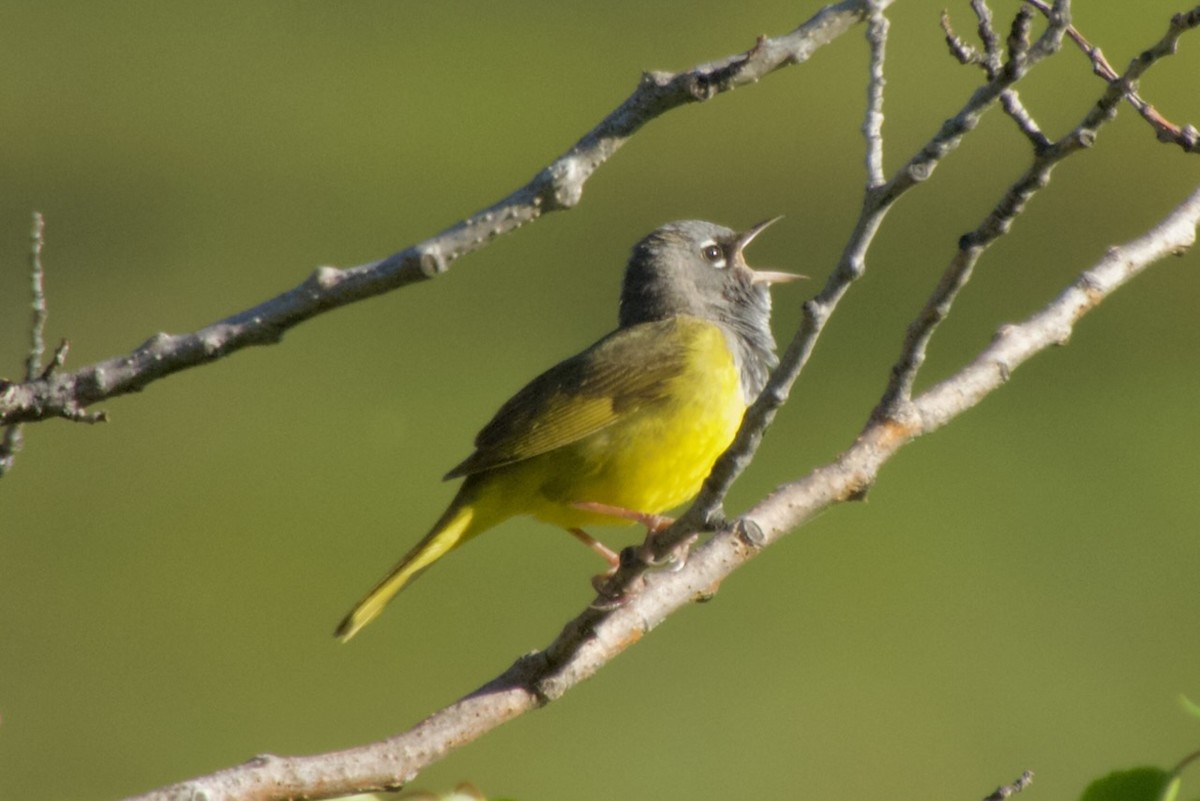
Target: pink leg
column 608, row 554
column 653, row 523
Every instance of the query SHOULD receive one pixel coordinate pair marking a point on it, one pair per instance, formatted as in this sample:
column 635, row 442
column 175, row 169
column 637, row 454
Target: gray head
column 696, row 268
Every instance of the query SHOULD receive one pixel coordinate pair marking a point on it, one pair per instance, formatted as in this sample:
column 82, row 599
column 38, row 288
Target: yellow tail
column 448, row 533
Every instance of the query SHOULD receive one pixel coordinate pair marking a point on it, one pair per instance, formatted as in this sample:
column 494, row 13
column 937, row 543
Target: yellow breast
column 656, row 455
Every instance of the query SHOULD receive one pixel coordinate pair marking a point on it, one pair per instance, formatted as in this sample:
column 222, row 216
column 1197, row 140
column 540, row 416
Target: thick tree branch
column 599, row 633
column 558, row 186
column 596, row 637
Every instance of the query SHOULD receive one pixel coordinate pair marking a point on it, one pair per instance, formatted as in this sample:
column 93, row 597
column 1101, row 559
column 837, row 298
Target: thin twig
column 57, row 360
column 1050, row 41
column 1007, row 790
column 963, row 52
column 1186, row 136
column 987, row 34
column 996, row 224
column 37, row 279
column 10, row 446
column 1187, row 760
column 13, row 439
column 991, row 62
column 1010, row 101
column 877, row 33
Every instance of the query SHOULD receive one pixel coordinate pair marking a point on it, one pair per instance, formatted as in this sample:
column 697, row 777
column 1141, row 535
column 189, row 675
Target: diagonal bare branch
column 557, row 187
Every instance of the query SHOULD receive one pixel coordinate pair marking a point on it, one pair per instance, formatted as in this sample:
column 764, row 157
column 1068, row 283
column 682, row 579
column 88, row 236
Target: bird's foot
column 608, row 598
column 675, row 558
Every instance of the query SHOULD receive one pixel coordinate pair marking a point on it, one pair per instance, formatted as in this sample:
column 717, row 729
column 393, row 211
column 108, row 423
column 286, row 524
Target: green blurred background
column 1020, row 591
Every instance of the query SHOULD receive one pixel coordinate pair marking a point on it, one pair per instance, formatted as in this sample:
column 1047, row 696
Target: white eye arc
column 713, row 254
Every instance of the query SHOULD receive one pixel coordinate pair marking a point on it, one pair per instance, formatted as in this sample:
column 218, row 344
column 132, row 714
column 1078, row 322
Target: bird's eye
column 713, row 255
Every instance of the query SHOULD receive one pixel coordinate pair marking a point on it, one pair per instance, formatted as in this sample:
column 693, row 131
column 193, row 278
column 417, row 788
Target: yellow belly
column 650, row 460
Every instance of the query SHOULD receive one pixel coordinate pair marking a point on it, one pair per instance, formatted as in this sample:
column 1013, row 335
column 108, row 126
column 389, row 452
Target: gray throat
column 753, row 346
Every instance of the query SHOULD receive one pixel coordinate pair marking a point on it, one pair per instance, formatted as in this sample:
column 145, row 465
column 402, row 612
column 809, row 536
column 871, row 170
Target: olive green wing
column 581, row 395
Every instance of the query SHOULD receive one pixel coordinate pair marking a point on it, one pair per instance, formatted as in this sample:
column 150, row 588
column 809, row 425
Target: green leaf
column 1136, row 784
column 1171, row 792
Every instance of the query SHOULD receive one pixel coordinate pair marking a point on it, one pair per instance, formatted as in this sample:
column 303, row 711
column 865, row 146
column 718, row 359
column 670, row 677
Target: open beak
column 763, row 276
column 769, row 277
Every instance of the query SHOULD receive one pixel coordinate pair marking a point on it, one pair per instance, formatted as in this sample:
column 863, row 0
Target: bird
column 629, row 427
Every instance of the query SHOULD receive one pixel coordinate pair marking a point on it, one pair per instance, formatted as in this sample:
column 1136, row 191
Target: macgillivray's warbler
column 635, row 422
